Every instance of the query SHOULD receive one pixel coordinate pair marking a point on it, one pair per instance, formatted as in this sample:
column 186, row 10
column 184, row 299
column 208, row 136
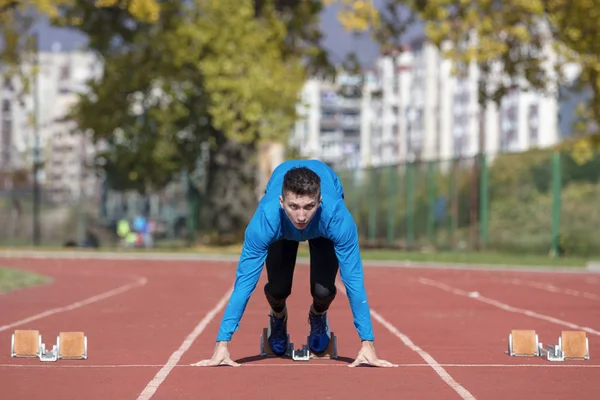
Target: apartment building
column 69, row 152
column 329, row 127
column 65, row 152
column 415, row 107
column 380, row 131
column 407, row 107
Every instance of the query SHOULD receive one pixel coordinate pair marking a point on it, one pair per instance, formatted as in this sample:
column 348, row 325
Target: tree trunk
column 230, row 199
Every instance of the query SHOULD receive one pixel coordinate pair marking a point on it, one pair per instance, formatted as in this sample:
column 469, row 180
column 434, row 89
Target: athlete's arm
column 259, row 234
column 344, row 233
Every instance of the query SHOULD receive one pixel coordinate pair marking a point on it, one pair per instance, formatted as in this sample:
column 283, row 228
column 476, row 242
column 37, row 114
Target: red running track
column 148, row 321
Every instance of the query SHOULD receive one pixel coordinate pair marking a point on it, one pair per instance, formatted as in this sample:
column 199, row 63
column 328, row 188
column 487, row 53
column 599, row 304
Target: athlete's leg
column 280, row 264
column 323, row 271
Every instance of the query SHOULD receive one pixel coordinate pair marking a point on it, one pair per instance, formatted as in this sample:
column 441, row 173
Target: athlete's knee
column 277, row 293
column 324, row 293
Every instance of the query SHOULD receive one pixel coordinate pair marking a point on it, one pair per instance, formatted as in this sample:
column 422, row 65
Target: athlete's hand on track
column 219, row 357
column 367, row 355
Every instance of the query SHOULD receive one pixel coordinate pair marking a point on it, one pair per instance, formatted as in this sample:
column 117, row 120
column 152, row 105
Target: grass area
column 456, row 257
column 474, row 258
column 450, row 257
column 13, row 279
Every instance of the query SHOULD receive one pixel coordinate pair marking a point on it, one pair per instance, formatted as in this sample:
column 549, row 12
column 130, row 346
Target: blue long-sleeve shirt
column 270, row 223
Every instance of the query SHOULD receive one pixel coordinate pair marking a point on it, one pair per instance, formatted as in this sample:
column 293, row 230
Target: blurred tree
column 576, row 29
column 182, row 74
column 216, row 72
column 252, row 76
column 356, row 15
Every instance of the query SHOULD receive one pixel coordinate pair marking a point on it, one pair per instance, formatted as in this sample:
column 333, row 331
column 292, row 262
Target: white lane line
column 477, row 296
column 295, row 365
column 549, row 287
column 121, row 289
column 166, row 369
column 442, row 373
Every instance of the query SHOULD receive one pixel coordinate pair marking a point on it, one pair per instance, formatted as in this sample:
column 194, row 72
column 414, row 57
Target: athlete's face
column 300, row 209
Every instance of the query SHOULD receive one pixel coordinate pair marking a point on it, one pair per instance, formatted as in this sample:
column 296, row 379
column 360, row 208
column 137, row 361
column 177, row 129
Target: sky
column 336, row 39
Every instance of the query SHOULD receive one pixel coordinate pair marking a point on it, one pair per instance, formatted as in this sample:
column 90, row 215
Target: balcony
column 350, row 103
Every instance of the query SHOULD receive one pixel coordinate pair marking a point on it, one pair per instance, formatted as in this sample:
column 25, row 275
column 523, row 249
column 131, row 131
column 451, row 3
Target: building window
column 6, row 106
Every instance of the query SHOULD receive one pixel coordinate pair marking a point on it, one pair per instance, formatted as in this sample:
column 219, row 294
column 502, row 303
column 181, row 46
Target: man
column 304, row 200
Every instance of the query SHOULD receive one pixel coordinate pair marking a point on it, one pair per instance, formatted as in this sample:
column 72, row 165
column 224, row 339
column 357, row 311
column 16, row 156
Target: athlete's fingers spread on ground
column 385, row 363
column 375, row 363
column 359, row 360
column 216, row 362
column 203, row 363
column 230, row 362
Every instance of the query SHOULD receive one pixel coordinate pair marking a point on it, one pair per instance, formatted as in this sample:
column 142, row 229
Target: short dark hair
column 302, row 182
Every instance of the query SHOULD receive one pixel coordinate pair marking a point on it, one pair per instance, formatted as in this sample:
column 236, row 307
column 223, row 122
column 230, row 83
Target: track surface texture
column 148, row 321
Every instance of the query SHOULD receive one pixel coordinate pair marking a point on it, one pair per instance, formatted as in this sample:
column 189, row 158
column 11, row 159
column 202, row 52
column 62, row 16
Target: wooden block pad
column 72, row 344
column 524, row 342
column 27, row 343
column 574, row 344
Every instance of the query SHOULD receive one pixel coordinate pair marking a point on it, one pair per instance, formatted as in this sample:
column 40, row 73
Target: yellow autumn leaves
column 356, row 15
column 143, row 10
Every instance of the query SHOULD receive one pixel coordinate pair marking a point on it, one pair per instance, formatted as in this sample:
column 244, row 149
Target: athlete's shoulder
column 340, row 222
column 270, row 209
column 265, row 224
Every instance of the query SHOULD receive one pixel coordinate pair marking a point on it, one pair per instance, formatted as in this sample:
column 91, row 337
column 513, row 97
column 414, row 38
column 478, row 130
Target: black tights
column 281, row 261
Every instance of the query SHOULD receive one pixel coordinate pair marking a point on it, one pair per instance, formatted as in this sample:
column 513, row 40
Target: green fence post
column 391, row 220
column 410, row 217
column 430, row 203
column 483, row 200
column 556, row 201
column 453, row 204
column 372, row 203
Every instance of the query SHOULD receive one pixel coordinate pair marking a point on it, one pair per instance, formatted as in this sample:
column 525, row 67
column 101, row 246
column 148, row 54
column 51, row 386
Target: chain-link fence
column 536, row 202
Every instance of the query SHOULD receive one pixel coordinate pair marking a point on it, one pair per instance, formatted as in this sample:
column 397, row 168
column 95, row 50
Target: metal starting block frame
column 301, row 354
column 572, row 345
column 69, row 346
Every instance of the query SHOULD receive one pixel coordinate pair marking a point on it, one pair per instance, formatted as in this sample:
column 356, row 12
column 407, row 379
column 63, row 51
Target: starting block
column 572, row 345
column 72, row 345
column 26, row 344
column 524, row 343
column 69, row 346
column 330, row 352
column 265, row 349
column 301, row 354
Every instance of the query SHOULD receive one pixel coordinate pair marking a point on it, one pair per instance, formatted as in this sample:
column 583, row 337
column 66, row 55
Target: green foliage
column 252, row 89
column 203, row 69
column 146, row 117
column 575, row 26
